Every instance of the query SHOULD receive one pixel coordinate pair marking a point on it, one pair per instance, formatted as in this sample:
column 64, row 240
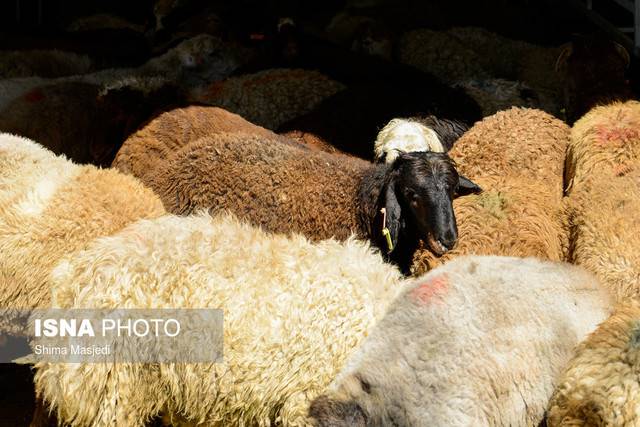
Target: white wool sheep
column 50, row 207
column 479, row 342
column 293, row 312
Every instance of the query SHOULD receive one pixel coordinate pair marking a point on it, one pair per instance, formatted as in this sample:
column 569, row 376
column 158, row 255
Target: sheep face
column 419, row 198
column 356, row 403
column 594, row 71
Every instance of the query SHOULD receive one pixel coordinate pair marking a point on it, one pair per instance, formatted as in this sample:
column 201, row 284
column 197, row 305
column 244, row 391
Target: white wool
column 405, row 136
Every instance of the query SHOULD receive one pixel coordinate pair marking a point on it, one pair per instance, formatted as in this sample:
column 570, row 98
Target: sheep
column 604, row 141
column 602, row 179
column 50, row 207
column 284, row 187
column 270, row 98
column 600, row 386
column 43, row 63
column 200, row 59
column 144, row 152
column 517, row 157
column 479, row 341
column 416, row 134
column 593, row 71
column 476, row 54
column 439, row 53
column 293, row 312
column 80, row 120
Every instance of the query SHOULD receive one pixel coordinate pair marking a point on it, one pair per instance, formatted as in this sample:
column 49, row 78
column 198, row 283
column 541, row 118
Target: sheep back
column 293, row 312
column 272, row 97
column 606, row 141
column 50, row 207
column 145, row 150
column 479, row 341
column 600, row 386
column 513, row 216
column 520, row 142
column 281, row 187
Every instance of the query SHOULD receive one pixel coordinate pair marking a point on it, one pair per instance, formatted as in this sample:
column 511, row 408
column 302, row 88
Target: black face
column 424, row 185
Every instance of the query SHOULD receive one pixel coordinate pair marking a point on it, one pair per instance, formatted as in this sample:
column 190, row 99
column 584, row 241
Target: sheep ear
column 466, row 187
column 565, row 53
column 394, row 213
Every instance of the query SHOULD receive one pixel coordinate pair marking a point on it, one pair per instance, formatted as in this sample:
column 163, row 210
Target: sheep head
column 594, row 71
column 418, row 198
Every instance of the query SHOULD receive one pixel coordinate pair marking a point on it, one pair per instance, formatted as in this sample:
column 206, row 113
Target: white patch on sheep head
column 405, row 136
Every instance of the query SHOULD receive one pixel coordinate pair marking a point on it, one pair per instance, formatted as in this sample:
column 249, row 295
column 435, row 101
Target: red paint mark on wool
column 34, row 96
column 616, row 135
column 424, row 293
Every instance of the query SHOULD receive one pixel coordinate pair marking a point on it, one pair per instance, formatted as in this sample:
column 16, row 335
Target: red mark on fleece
column 425, row 292
column 34, row 96
column 616, row 135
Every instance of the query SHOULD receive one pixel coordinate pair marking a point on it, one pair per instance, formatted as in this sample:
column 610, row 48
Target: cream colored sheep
column 293, row 312
column 601, row 385
column 603, row 184
column 606, row 141
column 270, row 98
column 477, row 342
column 50, row 207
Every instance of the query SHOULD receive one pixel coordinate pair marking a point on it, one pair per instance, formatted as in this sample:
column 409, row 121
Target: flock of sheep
column 436, row 251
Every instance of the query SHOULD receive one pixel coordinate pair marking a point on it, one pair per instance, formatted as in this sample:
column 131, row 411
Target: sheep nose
column 449, row 239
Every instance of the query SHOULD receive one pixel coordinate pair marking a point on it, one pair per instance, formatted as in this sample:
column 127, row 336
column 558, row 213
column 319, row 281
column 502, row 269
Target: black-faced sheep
column 285, row 187
column 479, row 341
column 293, row 312
column 517, row 156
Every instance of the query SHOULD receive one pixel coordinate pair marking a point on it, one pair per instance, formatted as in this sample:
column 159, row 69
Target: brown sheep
column 285, row 187
column 517, row 156
column 146, row 150
column 601, row 387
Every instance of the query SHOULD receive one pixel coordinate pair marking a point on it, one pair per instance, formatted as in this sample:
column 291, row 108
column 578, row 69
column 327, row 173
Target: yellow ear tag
column 385, row 231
